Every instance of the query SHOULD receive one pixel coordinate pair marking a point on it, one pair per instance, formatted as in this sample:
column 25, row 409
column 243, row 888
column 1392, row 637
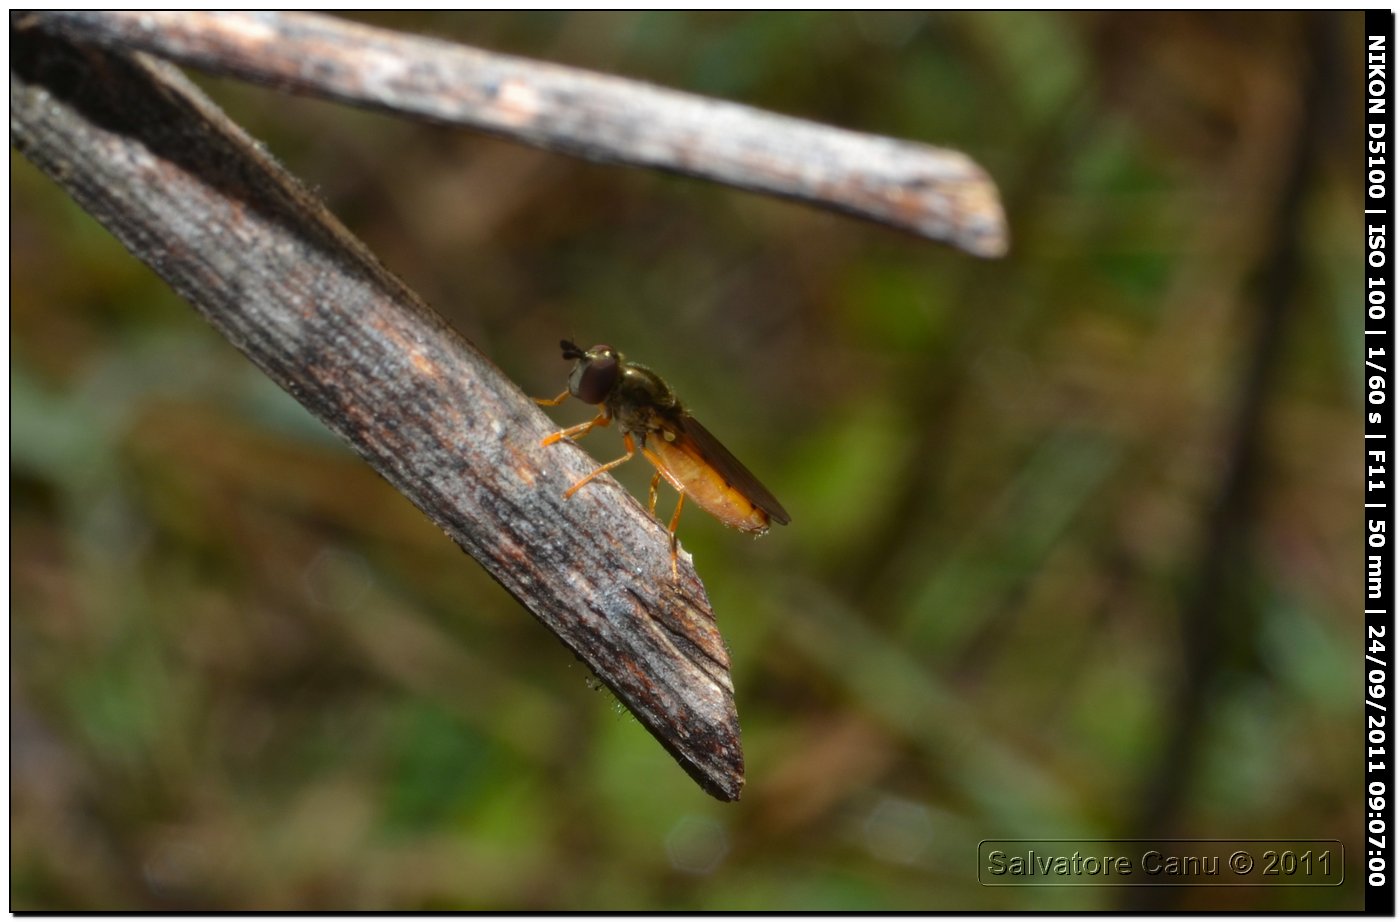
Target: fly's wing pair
column 696, row 441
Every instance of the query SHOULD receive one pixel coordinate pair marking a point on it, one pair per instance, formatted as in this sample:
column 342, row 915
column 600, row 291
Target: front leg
column 552, row 401
column 602, row 419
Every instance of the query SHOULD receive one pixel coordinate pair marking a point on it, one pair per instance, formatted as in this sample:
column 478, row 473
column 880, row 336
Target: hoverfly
column 683, row 452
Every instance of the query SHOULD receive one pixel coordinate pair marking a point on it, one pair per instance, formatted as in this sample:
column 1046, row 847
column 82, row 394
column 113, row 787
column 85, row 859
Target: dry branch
column 190, row 194
column 937, row 193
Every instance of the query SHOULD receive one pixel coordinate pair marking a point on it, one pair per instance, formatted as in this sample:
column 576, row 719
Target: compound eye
column 594, row 378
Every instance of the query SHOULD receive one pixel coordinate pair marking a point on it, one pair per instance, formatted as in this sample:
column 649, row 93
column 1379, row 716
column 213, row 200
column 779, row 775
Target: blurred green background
column 1075, row 546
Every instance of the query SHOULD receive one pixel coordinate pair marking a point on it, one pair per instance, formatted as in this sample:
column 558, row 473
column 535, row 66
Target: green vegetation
column 248, row 675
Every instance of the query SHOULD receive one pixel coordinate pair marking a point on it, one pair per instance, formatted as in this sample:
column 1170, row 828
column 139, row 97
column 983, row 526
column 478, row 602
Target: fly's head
column 596, row 371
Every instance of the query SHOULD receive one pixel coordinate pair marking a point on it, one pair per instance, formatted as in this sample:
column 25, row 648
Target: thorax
column 640, row 401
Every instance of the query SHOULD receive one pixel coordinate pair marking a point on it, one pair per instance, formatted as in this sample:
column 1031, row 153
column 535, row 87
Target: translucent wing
column 696, row 439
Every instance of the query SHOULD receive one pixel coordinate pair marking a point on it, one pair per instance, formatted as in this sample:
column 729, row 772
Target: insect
column 654, row 422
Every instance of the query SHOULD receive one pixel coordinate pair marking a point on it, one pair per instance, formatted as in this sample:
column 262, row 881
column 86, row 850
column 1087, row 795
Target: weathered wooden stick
column 189, row 193
column 937, row 193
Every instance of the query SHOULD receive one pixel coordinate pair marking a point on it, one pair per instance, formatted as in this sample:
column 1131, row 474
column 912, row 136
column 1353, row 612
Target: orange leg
column 661, row 470
column 631, row 450
column 675, row 544
column 602, row 419
column 679, row 487
column 547, row 402
column 651, row 497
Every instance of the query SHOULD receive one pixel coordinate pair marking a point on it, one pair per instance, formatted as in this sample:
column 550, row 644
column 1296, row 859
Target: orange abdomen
column 707, row 487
